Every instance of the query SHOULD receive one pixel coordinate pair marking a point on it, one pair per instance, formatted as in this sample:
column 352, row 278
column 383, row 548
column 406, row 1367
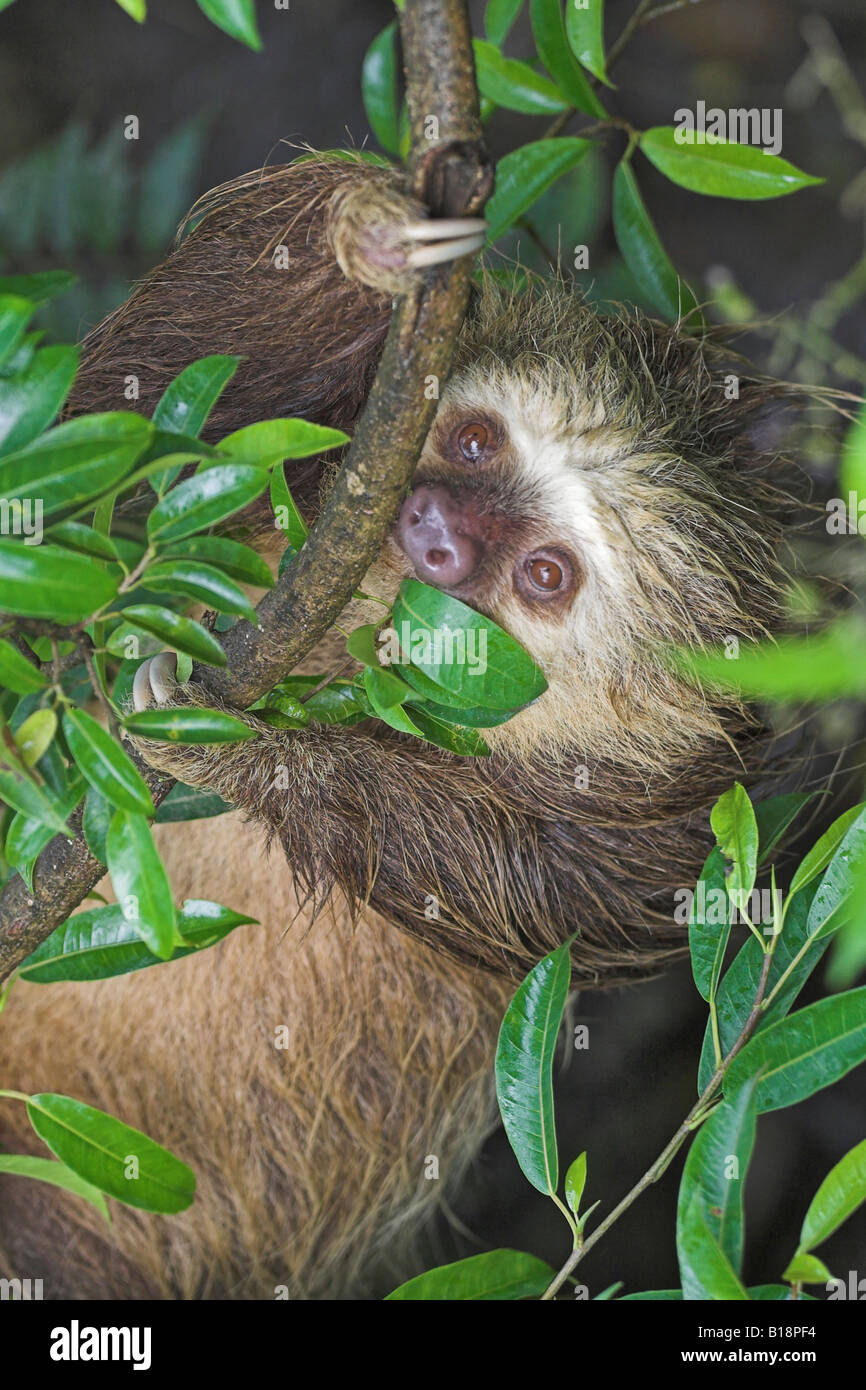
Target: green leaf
column 361, row 644
column 271, row 441
column 499, row 16
column 106, row 765
column 524, row 1067
column 824, row 850
column 27, row 838
column 15, row 314
column 379, row 88
column 473, row 658
column 187, row 402
column 514, row 84
column 526, row 173
column 74, row 535
column 498, row 1275
column 553, row 49
column 465, row 742
column 335, row 703
column 774, row 817
column 804, row 1053
column 136, row 8
column 30, row 400
column 236, row 560
column 201, row 582
column 43, row 285
column 16, row 672
column 44, row 581
column 185, row 803
column 76, row 460
column 736, row 831
column 281, row 710
column 188, row 726
column 99, row 943
column 183, row 634
column 705, row 1269
column 113, row 1157
column 97, row 818
column 840, row 1194
column 643, row 252
column 236, row 17
column 584, row 25
column 722, row 170
column 290, row 520
column 575, row 1181
column 203, row 500
column 736, row 994
column 806, row 1269
column 776, row 1293
column 140, row 882
column 57, row 1174
column 714, row 1180
column 23, row 795
column 821, row 666
column 35, row 734
column 708, row 937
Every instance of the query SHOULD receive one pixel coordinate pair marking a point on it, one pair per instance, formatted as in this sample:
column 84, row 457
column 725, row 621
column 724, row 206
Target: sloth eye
column 545, row 574
column 472, row 441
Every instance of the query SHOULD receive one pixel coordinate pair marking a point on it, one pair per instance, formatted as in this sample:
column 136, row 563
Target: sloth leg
column 326, row 1081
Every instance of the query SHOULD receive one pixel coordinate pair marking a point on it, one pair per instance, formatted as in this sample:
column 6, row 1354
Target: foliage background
column 210, row 109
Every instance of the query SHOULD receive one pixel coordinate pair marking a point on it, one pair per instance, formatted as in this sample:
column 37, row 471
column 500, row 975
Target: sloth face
column 587, row 485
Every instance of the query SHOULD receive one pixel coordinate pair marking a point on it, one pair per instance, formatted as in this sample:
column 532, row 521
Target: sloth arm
column 486, row 862
column 292, row 269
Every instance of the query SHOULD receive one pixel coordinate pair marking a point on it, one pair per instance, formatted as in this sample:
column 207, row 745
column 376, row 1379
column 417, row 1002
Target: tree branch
column 451, row 173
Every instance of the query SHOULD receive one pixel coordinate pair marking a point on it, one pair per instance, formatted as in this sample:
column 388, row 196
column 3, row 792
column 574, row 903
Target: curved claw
column 154, row 681
column 443, row 251
column 437, row 228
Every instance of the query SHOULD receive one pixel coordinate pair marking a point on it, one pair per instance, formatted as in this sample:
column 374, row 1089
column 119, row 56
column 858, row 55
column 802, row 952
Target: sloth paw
column 155, row 681
column 384, row 239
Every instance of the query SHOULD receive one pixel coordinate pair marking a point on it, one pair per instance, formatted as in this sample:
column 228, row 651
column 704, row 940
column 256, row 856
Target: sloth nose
column 436, row 532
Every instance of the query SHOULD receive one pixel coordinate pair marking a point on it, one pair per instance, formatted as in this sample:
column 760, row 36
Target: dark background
column 74, row 193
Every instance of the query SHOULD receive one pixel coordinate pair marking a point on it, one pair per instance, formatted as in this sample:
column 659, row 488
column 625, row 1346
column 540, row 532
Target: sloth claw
column 435, row 228
column 449, row 238
column 154, row 681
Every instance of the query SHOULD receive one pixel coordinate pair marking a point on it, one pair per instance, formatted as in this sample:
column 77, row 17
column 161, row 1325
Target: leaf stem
column 695, row 1117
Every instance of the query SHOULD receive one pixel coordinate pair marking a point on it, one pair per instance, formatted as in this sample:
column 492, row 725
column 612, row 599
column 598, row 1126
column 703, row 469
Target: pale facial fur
column 603, row 495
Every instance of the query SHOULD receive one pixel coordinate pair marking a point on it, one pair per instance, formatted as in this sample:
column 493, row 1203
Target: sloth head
column 591, row 484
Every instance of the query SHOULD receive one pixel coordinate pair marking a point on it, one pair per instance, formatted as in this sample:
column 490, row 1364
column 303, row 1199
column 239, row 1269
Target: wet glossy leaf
column 723, row 170
column 183, row 633
column 140, row 882
column 497, row 1275
column 105, row 764
column 526, row 173
column 524, row 1068
column 99, row 943
column 188, row 726
column 100, row 1149
column 203, row 500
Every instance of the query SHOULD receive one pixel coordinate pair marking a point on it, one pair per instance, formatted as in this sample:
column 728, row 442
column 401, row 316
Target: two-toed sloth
column 591, row 483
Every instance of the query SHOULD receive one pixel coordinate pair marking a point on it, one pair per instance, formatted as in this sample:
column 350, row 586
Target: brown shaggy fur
column 310, row 1157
